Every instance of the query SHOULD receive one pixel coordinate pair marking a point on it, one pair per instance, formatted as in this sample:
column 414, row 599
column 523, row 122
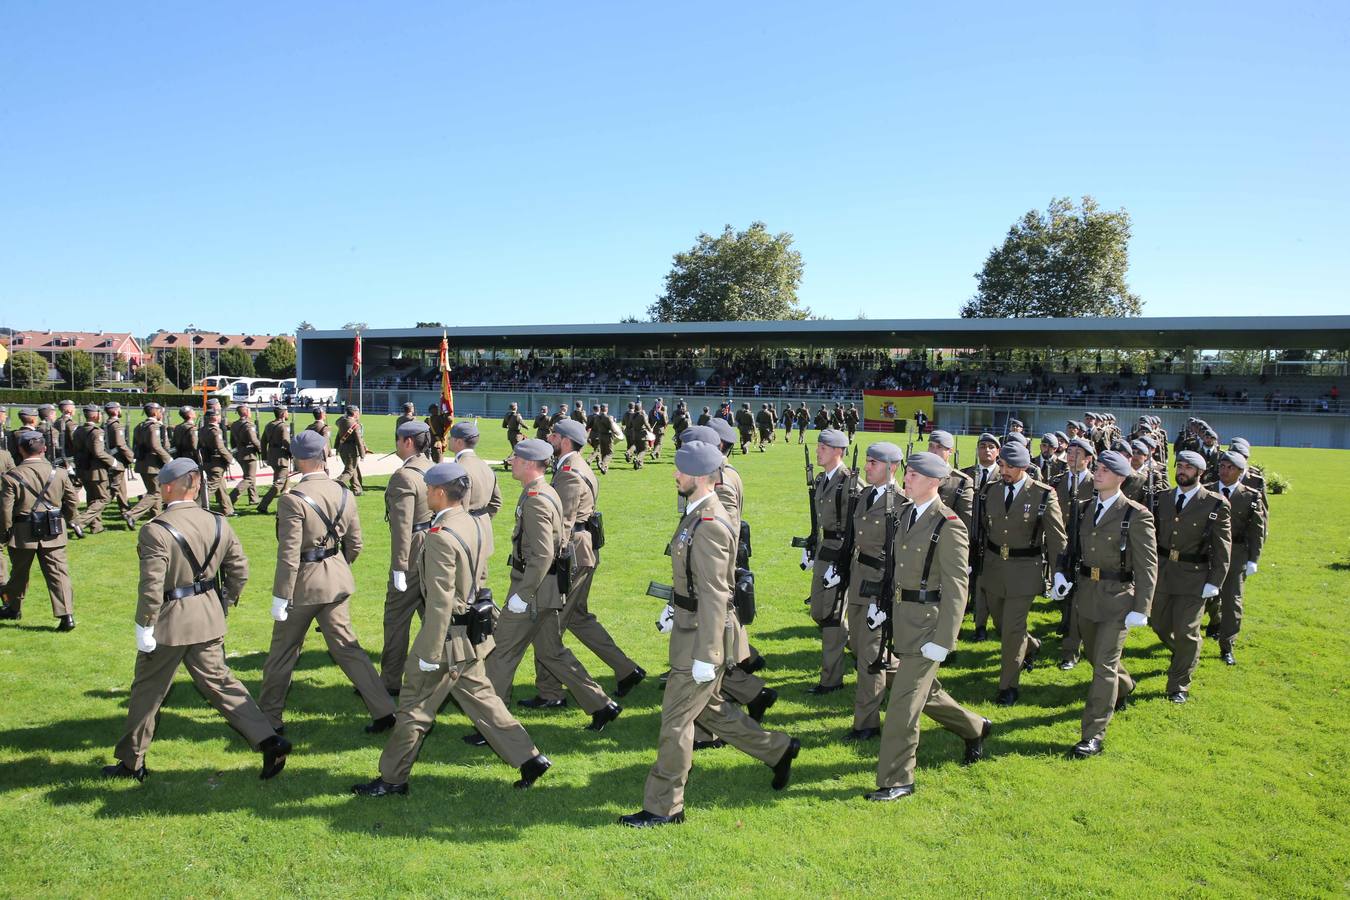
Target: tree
column 277, row 360
column 1065, row 262
column 76, row 368
column 179, row 367
column 735, row 276
column 151, row 377
column 28, row 369
column 355, row 326
column 236, row 363
column 304, row 326
column 428, row 325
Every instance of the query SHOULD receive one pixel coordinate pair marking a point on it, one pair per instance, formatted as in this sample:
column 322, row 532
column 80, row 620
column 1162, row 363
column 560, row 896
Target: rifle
column 883, row 592
column 1075, row 550
column 976, row 546
column 843, row 567
column 808, row 543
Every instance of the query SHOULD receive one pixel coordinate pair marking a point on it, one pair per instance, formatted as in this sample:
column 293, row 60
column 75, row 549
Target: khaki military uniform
column 1019, row 537
column 216, row 459
column 745, row 427
column 1051, row 467
column 604, row 432
column 323, row 428
column 318, row 589
column 536, row 540
column 578, row 490
column 541, row 427
column 514, row 423
column 485, row 494
column 957, row 493
column 447, row 582
column 276, row 447
column 704, row 545
column 190, row 629
column 185, row 439
column 1194, row 549
column 6, row 463
column 439, row 424
column 247, row 448
column 980, row 479
column 148, row 446
column 869, row 559
column 851, row 421
column 351, row 449
column 94, row 465
column 1248, row 516
column 922, row 618
column 115, row 439
column 403, row 417
column 827, row 608
column 1116, row 575
column 20, row 488
column 638, row 427
column 406, row 511
column 1070, row 491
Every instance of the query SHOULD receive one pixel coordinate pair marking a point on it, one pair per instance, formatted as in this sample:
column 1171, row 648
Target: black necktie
column 1226, row 495
column 1181, row 503
column 984, row 478
column 913, row 517
column 1101, row 508
column 876, row 495
column 1008, row 498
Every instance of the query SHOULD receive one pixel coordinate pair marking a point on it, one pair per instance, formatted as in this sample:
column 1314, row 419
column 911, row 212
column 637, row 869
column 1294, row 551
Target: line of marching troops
column 893, row 566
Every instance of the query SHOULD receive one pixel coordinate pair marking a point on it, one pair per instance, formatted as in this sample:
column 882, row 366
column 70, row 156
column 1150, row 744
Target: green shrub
column 1277, row 483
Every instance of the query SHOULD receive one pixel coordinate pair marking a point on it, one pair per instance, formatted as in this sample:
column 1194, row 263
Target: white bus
column 255, row 390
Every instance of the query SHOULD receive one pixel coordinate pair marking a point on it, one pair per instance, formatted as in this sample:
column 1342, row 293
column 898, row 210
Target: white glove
column 807, row 561
column 933, row 652
column 831, row 577
column 1062, row 586
column 517, row 605
column 279, row 609
column 1135, row 620
column 666, row 624
column 875, row 617
column 426, row 666
column 703, row 672
column 970, row 570
column 1209, row 591
column 400, row 580
column 1249, row 569
column 145, row 639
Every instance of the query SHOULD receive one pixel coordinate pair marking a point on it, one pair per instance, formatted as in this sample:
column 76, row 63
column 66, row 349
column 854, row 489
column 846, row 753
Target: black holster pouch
column 482, row 617
column 596, row 526
column 46, row 524
column 562, row 570
column 743, row 596
column 743, row 546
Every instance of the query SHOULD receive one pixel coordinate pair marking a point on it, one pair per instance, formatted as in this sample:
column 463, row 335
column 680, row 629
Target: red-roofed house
column 211, row 343
column 105, row 346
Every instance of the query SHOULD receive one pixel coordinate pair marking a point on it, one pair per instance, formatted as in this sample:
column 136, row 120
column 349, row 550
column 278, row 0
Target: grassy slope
column 1242, row 791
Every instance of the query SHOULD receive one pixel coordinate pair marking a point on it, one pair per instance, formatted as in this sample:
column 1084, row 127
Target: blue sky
column 247, row 166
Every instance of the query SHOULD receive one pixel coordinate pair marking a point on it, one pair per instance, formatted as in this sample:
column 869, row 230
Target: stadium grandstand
column 1276, row 379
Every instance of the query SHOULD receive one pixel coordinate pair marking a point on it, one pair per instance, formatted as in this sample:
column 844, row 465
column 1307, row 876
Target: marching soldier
column 151, row 454
column 605, row 429
column 1194, row 549
column 578, row 492
column 6, row 463
column 1072, row 488
column 640, row 429
column 439, row 423
column 192, row 569
column 834, row 483
column 880, row 503
column 276, row 446
column 703, row 558
column 318, row 538
column 706, row 416
column 513, row 423
column 451, row 645
column 592, row 434
column 66, row 427
column 764, row 423
column 535, row 602
column 822, row 420
column 541, row 424
column 406, row 511
column 745, row 424
column 216, row 459
column 851, row 420
column 247, row 448
column 1048, row 461
column 486, row 497
column 837, row 417
column 957, row 491
column 1248, row 517
column 579, row 413
column 929, row 595
column 115, row 439
column 560, row 413
column 185, row 440
column 46, row 426
column 409, row 414
column 95, row 466
column 321, row 427
column 658, row 426
column 680, row 422
column 803, row 419
column 351, row 449
column 984, row 473
column 37, row 501
column 1022, row 525
column 28, row 421
column 1116, row 570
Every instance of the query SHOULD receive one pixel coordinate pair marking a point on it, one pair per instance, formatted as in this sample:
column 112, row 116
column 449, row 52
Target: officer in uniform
column 28, row 421
column 192, row 569
column 318, row 538
column 409, row 414
column 32, row 493
column 605, row 431
column 535, row 602
column 703, row 559
column 639, row 428
column 66, row 426
column 276, row 447
column 931, row 555
column 513, row 422
column 579, row 413
column 351, row 449
column 764, row 423
column 115, row 439
column 439, row 423
column 984, row 473
column 680, row 421
column 247, row 449
column 834, row 484
column 1195, row 543
column 822, row 420
column 449, row 651
column 1072, row 488
column 1048, row 461
column 803, row 419
column 745, row 424
column 658, row 423
column 1115, row 569
column 486, row 497
column 406, row 511
column 95, row 466
column 6, row 463
column 704, row 417
column 216, row 459
column 148, row 446
column 541, row 424
column 321, row 427
column 851, row 420
column 1022, row 525
column 957, row 491
column 46, row 426
column 578, row 491
column 880, row 501
column 185, row 439
column 1248, row 517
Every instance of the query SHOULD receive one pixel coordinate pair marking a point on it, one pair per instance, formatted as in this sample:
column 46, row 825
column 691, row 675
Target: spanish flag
column 447, row 395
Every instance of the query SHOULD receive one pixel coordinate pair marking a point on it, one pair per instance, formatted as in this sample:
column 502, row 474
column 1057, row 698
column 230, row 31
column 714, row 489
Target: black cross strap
column 41, row 498
column 323, row 553
column 202, row 582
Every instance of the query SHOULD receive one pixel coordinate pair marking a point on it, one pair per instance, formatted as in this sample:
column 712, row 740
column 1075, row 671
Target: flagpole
column 361, row 379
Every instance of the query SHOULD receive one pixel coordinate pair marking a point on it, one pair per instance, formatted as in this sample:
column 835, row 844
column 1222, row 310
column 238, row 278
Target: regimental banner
column 882, row 409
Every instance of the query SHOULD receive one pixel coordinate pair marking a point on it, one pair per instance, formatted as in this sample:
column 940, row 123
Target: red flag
column 356, row 355
column 447, row 395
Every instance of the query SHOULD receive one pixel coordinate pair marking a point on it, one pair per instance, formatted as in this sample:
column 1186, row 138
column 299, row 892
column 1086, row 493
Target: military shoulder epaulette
column 532, row 493
column 567, row 468
column 951, row 518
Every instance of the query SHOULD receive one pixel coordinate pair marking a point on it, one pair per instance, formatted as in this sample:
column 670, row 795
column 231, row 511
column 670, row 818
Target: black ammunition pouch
column 481, row 619
column 827, row 554
column 684, row 602
column 743, row 551
column 46, row 523
column 872, row 562
column 596, row 526
column 743, row 596
column 872, row 590
column 562, row 569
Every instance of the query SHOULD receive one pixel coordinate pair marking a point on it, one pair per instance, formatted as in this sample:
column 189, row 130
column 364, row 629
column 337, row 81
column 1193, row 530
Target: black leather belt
column 830, row 535
column 1178, row 556
column 481, row 511
column 421, row 526
column 190, row 590
column 318, row 555
column 578, row 527
column 875, row 562
column 920, row 596
column 459, row 619
column 1006, row 552
column 1092, row 573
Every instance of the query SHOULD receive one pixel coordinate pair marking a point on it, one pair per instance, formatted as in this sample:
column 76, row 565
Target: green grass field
column 1243, row 791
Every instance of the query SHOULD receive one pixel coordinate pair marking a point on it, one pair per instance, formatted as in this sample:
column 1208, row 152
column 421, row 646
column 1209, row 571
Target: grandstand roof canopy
column 1199, row 332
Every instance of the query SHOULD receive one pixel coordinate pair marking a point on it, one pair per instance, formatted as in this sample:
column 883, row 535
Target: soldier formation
column 895, row 565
